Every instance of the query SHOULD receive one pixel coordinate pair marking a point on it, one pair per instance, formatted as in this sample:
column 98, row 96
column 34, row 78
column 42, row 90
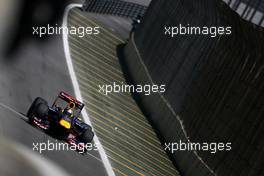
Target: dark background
column 214, row 85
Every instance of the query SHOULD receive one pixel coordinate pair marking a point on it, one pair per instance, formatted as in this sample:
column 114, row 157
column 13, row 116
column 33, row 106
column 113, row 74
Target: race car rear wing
column 70, row 99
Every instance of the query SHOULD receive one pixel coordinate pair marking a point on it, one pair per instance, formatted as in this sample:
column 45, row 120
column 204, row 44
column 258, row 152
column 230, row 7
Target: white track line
column 77, row 91
column 14, row 111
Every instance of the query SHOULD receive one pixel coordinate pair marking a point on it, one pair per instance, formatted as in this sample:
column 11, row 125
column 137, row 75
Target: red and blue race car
column 62, row 118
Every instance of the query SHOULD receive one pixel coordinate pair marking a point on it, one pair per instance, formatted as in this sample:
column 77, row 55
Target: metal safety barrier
column 251, row 10
column 115, row 7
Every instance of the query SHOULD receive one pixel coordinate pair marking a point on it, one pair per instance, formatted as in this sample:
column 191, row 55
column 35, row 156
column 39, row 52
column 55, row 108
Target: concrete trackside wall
column 214, row 85
column 162, row 117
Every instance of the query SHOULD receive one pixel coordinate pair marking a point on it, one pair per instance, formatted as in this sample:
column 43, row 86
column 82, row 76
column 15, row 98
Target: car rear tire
column 87, row 136
column 33, row 107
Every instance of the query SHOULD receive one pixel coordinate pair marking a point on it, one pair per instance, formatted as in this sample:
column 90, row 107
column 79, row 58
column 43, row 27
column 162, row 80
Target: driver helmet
column 68, row 113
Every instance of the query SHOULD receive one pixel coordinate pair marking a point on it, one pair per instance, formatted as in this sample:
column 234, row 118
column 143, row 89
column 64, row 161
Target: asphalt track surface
column 39, row 69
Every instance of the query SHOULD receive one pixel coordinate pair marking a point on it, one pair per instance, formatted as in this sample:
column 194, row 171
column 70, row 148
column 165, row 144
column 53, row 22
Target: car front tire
column 34, row 107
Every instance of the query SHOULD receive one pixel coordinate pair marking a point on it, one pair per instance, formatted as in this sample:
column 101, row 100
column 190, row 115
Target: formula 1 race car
column 62, row 119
